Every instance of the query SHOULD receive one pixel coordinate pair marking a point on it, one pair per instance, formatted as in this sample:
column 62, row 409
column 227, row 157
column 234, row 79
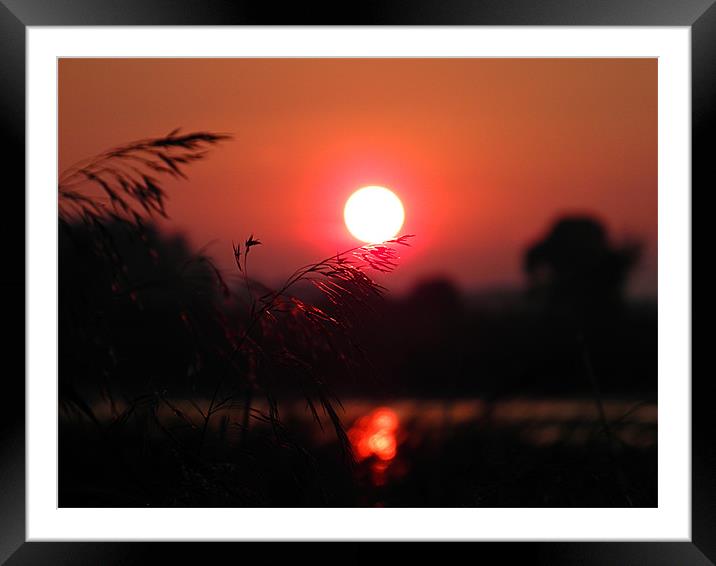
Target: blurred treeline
column 570, row 318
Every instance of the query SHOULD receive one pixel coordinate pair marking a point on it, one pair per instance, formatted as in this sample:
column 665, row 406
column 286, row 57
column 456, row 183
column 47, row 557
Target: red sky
column 484, row 153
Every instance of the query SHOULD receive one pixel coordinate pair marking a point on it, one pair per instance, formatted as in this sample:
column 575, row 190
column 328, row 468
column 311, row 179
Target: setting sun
column 374, row 214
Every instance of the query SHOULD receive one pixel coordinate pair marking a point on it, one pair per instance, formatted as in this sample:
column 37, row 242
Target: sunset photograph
column 357, row 282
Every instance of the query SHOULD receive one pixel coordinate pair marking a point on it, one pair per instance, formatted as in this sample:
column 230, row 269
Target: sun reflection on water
column 374, row 438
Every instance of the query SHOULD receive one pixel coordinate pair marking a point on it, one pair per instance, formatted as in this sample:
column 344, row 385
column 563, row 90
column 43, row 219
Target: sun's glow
column 374, row 214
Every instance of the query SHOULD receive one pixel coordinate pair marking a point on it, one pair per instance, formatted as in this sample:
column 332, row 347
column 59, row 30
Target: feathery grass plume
column 285, row 334
column 128, row 175
column 123, row 185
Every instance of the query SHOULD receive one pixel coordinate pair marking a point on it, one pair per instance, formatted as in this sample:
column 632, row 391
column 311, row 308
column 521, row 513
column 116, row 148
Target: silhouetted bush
column 576, row 273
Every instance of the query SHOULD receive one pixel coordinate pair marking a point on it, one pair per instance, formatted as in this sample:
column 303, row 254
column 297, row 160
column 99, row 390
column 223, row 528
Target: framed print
column 420, row 274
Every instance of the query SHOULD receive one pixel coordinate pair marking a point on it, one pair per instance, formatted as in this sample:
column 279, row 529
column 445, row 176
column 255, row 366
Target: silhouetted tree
column 575, row 273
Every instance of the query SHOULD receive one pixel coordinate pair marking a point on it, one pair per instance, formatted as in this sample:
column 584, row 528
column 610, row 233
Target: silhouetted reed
column 124, row 185
column 128, row 175
column 343, row 280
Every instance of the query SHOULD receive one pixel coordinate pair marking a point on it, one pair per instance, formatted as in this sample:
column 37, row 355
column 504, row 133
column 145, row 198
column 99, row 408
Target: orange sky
column 484, row 153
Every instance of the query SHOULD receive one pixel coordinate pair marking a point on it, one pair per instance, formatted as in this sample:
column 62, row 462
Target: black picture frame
column 16, row 15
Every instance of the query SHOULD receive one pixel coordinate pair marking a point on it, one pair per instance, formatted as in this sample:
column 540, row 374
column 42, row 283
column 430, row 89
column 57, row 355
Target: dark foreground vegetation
column 529, row 463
